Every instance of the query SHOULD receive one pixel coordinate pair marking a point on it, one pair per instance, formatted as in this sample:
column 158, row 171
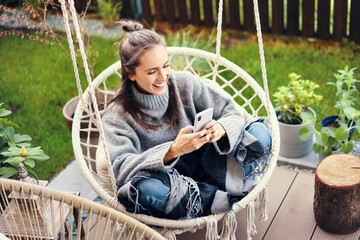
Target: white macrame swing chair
column 88, row 134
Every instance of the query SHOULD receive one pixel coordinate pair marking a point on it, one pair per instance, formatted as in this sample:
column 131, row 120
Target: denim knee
column 153, row 195
column 261, row 132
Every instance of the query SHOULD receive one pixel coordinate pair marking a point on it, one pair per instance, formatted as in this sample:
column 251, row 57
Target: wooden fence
column 329, row 20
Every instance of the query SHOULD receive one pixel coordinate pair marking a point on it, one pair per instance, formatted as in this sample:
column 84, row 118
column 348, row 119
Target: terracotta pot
column 69, row 110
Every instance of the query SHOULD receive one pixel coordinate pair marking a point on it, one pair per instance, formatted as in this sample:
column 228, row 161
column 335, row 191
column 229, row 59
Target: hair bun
column 130, row 26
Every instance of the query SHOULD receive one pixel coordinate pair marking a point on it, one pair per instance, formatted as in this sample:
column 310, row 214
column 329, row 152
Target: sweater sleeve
column 125, row 152
column 226, row 111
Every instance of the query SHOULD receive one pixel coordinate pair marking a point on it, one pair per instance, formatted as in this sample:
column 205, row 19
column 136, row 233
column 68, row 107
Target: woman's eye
column 167, row 65
column 152, row 72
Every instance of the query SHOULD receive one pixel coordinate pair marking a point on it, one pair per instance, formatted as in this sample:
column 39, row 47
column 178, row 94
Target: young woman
column 161, row 167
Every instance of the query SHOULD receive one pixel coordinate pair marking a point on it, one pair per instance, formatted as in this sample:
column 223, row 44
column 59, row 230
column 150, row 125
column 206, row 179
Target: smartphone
column 202, row 118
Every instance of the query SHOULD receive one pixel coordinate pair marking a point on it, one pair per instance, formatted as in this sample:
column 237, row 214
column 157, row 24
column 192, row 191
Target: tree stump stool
column 337, row 194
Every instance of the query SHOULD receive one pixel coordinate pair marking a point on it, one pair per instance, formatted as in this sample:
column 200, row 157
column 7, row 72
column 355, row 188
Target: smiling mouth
column 160, row 84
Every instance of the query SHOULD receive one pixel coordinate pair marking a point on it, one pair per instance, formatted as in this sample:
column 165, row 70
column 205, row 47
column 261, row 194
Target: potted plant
column 291, row 101
column 336, row 131
column 16, row 148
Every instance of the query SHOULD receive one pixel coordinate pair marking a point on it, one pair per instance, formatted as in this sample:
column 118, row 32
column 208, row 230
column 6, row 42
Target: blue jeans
column 154, row 194
column 262, row 133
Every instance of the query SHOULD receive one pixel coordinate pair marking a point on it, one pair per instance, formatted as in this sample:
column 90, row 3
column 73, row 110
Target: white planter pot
column 291, row 145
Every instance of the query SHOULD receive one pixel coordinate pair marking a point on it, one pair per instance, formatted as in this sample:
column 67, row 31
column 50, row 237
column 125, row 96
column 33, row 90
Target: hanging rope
column 97, row 120
column 219, row 29
column 262, row 58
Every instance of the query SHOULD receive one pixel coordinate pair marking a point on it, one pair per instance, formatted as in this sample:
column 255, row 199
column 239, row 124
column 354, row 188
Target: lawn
column 37, row 80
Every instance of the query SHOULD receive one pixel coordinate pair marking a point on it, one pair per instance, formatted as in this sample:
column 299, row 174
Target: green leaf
column 35, row 151
column 30, row 163
column 304, row 134
column 39, row 157
column 21, row 138
column 329, row 131
column 320, row 139
column 326, row 152
column 10, row 133
column 307, row 117
column 14, row 160
column 317, row 148
column 7, row 172
column 341, row 134
column 347, row 147
column 4, row 112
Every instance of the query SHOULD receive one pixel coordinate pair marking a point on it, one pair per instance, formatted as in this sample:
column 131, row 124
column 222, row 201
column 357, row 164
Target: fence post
column 355, row 21
column 340, row 19
column 277, row 16
column 195, row 12
column 183, row 16
column 234, row 14
column 264, row 15
column 293, row 18
column 323, row 30
column 208, row 13
column 249, row 23
column 308, row 17
column 147, row 16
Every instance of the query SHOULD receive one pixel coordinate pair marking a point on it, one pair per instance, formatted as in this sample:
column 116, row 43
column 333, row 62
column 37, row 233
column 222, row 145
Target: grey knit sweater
column 132, row 148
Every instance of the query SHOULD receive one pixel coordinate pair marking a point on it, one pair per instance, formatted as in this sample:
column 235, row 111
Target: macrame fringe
column 169, row 235
column 251, row 227
column 229, row 226
column 211, row 228
column 264, row 199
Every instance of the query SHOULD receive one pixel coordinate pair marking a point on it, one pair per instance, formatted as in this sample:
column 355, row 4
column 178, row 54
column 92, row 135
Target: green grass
column 36, row 80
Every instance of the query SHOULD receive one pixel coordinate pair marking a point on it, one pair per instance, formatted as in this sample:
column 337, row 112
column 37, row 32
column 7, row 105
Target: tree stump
column 337, row 194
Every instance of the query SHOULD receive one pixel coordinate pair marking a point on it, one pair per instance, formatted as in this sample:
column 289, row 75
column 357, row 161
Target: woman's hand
column 187, row 142
column 216, row 131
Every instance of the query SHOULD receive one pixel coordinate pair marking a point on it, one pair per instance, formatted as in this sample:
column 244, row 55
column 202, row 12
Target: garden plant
column 337, row 136
column 16, row 148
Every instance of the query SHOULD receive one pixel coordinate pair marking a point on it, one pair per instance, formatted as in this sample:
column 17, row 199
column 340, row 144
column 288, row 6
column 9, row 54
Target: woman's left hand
column 216, row 129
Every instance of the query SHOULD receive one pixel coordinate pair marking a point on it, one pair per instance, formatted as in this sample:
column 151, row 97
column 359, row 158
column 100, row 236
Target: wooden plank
column 208, row 13
column 340, row 19
column 355, row 21
column 158, row 11
column 147, row 17
column 234, row 14
column 224, row 18
column 170, row 11
column 323, row 29
column 195, row 12
column 295, row 219
column 278, row 186
column 183, row 16
column 249, row 21
column 319, row 234
column 264, row 15
column 308, row 18
column 292, row 18
column 277, row 16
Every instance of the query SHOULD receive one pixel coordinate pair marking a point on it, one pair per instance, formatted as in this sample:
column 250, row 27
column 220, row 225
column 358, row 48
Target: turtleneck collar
column 150, row 101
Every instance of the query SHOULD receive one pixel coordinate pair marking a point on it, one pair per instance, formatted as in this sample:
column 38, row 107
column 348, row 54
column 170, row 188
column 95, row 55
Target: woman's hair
column 136, row 41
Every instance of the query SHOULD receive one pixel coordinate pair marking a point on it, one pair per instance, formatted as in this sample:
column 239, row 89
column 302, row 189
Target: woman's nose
column 162, row 75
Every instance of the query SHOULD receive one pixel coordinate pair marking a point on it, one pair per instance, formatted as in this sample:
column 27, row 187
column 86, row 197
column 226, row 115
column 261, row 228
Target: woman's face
column 152, row 74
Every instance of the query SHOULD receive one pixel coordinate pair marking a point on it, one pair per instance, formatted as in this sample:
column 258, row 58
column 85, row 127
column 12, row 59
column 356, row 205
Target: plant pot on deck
column 291, row 145
column 68, row 113
column 331, row 121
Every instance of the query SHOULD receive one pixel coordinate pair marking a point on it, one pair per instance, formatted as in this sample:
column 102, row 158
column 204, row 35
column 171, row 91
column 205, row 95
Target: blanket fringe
column 264, row 199
column 251, row 227
column 211, row 228
column 229, row 226
column 169, row 235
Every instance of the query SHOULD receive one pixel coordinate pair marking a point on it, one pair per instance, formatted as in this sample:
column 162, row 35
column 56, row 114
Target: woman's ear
column 129, row 74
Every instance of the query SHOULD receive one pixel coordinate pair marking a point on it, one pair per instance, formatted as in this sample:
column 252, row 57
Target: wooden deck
column 291, row 216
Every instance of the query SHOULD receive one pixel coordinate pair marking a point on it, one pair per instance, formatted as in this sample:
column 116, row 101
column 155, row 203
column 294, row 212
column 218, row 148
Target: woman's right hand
column 187, row 142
